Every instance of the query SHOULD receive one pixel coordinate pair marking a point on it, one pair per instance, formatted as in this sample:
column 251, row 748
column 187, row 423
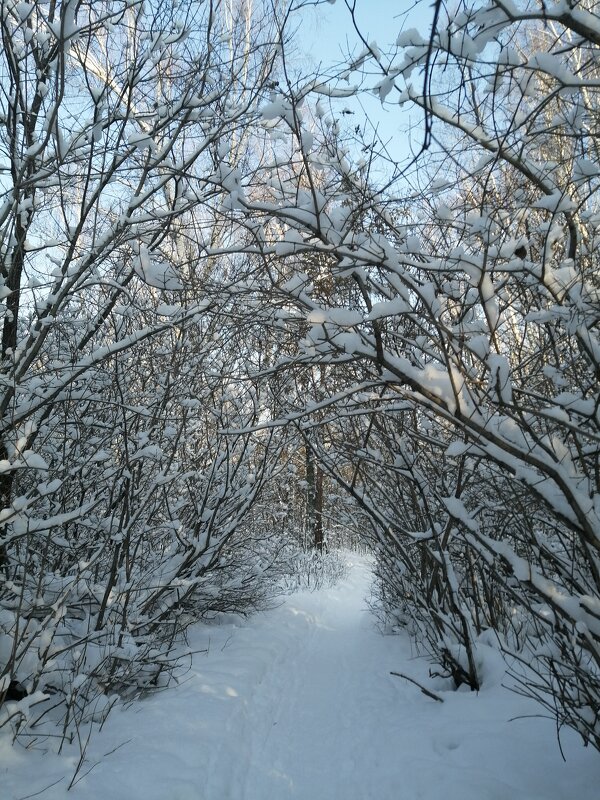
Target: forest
column 239, row 334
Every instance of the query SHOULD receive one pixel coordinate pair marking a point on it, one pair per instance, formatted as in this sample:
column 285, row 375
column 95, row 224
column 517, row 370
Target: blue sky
column 327, row 35
column 329, row 25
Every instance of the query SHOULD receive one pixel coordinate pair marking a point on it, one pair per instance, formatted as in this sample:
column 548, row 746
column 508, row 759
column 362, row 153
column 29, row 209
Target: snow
column 457, row 509
column 159, row 274
column 34, row 460
column 23, row 10
column 141, row 140
column 410, row 37
column 389, row 308
column 298, row 702
column 344, row 318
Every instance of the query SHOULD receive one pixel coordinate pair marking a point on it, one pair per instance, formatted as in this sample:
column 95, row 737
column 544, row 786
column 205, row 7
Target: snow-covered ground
column 298, row 702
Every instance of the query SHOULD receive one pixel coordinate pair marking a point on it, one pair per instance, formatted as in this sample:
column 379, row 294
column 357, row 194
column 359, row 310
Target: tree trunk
column 314, row 501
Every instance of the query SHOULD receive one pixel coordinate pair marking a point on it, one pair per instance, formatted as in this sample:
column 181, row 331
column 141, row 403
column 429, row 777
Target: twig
column 114, row 750
column 428, row 692
column 41, row 791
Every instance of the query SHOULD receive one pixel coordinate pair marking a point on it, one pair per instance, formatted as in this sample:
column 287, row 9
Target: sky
column 330, row 25
column 327, row 35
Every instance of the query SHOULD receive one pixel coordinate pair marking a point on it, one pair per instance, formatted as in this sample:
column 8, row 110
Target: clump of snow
column 155, row 272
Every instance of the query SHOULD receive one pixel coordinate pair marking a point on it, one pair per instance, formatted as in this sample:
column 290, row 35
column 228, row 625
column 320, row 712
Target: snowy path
column 299, row 703
column 308, row 724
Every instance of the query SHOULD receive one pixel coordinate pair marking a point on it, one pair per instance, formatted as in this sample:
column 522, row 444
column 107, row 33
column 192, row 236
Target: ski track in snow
column 298, row 703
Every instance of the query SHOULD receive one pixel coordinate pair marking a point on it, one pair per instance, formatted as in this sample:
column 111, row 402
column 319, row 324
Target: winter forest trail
column 308, row 723
column 298, row 702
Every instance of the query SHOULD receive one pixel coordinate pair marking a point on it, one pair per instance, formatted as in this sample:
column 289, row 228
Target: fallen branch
column 428, row 692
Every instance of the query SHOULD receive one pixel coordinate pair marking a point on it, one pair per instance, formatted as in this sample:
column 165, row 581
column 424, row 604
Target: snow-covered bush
column 462, row 296
column 128, row 459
